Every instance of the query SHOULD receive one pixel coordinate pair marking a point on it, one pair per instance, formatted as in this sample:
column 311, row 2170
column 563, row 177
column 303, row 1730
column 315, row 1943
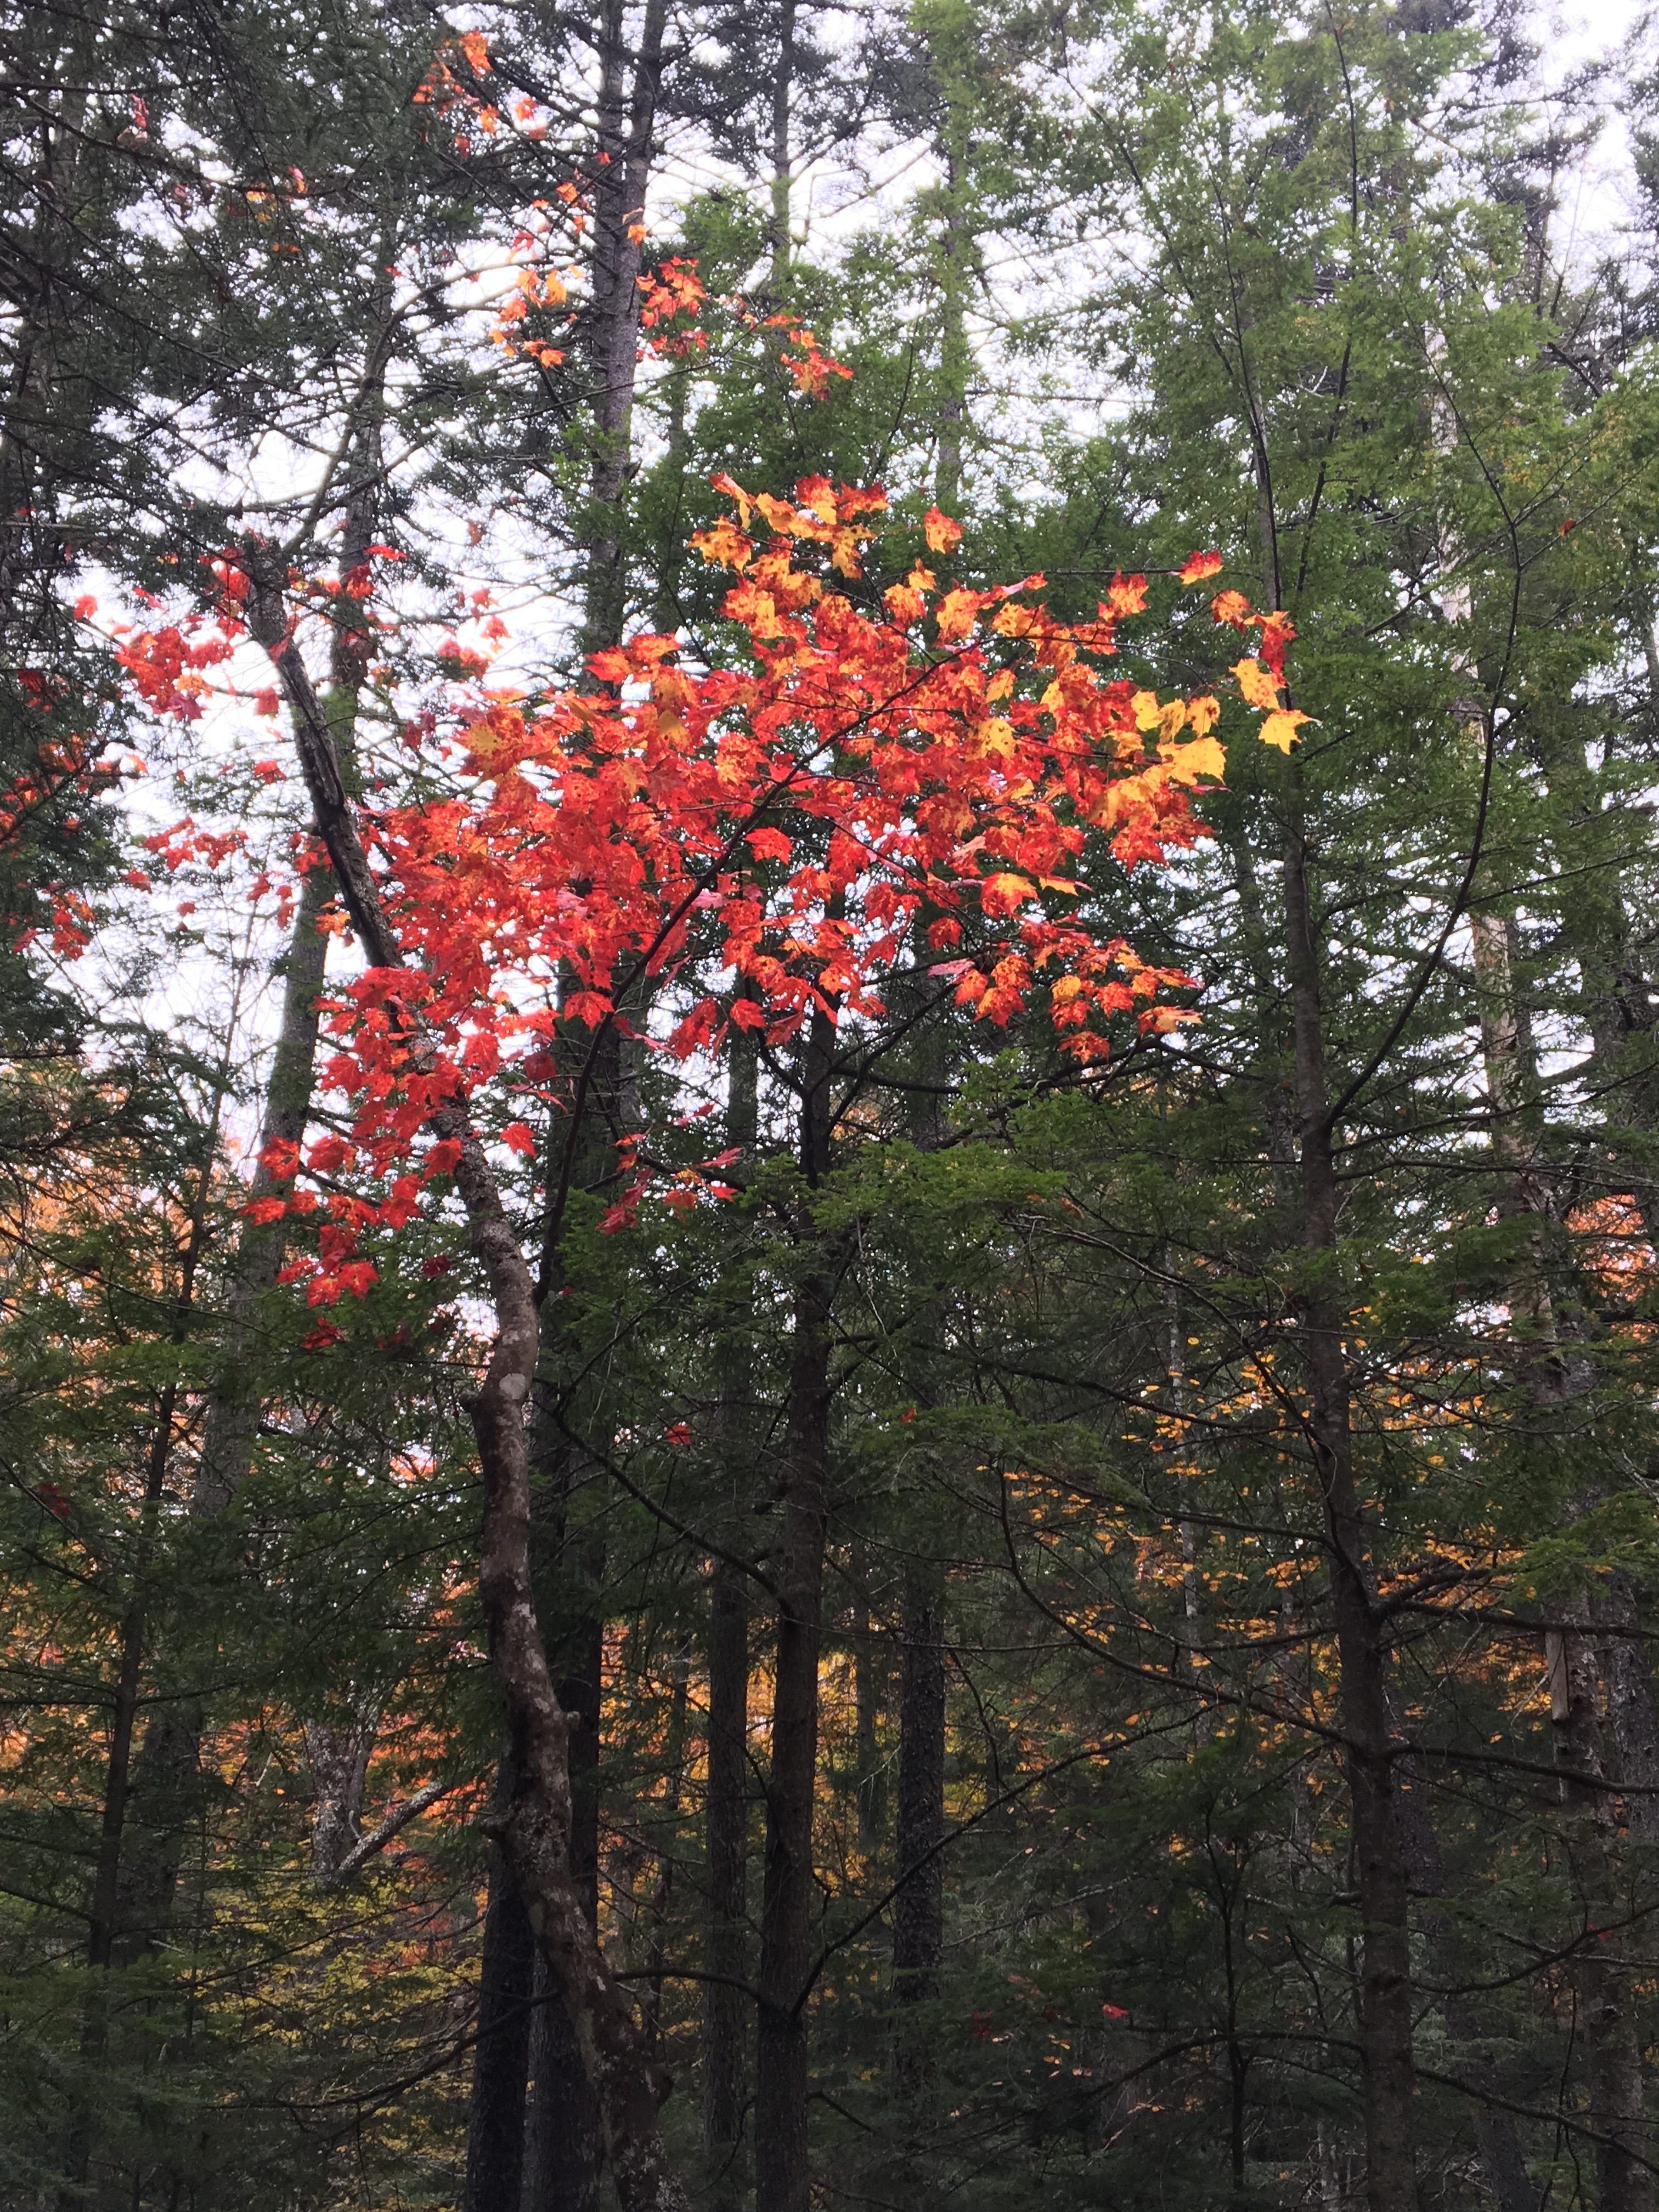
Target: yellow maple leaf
column 1280, row 727
column 996, row 737
column 1004, row 891
column 954, row 615
column 1204, row 712
column 1200, row 757
column 1256, row 683
column 723, row 546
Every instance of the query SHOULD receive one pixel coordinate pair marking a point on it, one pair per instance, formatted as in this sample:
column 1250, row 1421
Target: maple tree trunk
column 534, row 1826
column 1385, row 1990
column 919, row 1906
column 781, row 2085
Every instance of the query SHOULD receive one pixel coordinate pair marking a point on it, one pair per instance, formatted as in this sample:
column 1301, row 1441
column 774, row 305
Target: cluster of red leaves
column 924, row 765
column 674, row 301
column 165, row 666
column 869, row 773
column 62, row 768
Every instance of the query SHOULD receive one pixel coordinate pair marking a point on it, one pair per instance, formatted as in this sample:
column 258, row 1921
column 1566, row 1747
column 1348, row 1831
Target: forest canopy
column 828, row 1106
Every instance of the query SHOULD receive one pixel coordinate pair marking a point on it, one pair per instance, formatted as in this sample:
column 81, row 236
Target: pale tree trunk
column 535, row 1824
column 339, row 1770
column 783, row 86
column 662, row 1892
column 781, row 2080
column 627, row 120
column 950, row 58
column 870, row 1796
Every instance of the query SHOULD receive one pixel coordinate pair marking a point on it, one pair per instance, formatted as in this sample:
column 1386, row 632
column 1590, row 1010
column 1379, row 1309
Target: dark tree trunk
column 918, row 1908
column 781, row 2081
column 1385, row 1989
column 725, row 2008
column 501, row 2058
column 726, row 2005
column 1614, row 2073
column 1629, row 1703
column 563, row 2143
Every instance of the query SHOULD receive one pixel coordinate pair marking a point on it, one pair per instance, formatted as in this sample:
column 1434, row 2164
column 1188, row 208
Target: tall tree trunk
column 339, row 1760
column 627, row 120
column 1616, row 2090
column 725, row 2006
column 501, row 2056
column 1385, row 1990
column 951, row 58
column 871, row 1794
column 1502, row 2163
column 783, row 87
column 1384, row 1994
column 534, row 1826
column 781, row 2080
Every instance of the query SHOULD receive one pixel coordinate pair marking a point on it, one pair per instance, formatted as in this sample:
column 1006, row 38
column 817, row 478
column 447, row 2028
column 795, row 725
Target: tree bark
column 1501, row 2160
column 1385, row 1989
column 1605, row 1977
column 726, row 1814
column 782, row 2082
column 534, row 1826
column 1616, row 2099
column 500, row 2056
column 626, row 119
